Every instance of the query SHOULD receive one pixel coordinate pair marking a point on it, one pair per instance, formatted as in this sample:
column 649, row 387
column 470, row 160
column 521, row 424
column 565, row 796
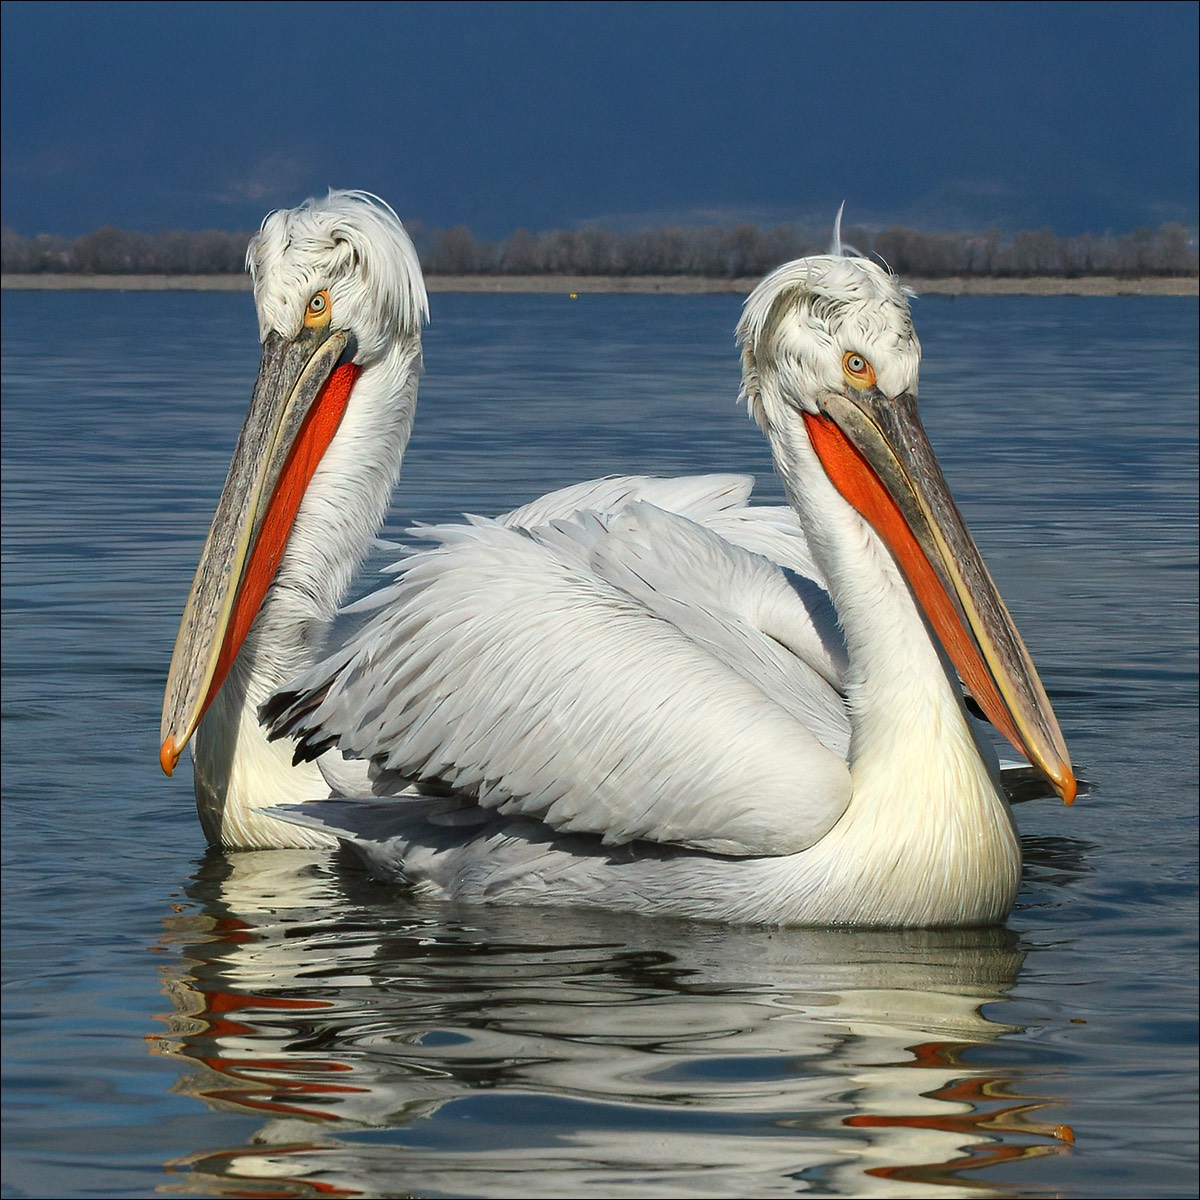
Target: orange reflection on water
column 987, row 1117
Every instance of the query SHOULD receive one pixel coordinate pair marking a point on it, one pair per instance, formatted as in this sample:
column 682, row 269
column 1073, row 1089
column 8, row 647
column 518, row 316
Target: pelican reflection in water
column 374, row 1049
column 635, row 694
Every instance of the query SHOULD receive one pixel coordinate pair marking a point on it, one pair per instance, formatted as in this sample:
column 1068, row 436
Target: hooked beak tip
column 1067, row 787
column 168, row 757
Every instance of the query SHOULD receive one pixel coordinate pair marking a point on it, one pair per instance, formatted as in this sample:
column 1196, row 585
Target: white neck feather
column 928, row 836
column 237, row 771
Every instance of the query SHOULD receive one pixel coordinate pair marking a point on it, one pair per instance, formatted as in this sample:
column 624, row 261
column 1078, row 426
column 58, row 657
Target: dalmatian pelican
column 641, row 694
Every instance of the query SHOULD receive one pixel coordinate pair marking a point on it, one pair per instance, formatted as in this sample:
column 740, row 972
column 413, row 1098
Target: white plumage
column 634, row 693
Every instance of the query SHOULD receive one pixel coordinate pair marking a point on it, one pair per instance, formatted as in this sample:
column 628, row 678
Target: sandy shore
column 676, row 285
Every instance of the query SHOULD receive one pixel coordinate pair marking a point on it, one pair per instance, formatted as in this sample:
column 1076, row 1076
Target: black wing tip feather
column 310, row 747
column 278, row 714
column 284, row 712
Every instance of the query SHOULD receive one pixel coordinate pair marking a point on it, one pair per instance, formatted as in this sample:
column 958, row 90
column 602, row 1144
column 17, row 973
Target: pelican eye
column 318, row 311
column 857, row 370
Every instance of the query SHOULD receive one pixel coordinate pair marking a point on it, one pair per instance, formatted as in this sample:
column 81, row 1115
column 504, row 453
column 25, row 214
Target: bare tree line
column 713, row 251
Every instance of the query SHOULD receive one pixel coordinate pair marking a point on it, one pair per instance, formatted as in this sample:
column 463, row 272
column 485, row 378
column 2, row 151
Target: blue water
column 182, row 1021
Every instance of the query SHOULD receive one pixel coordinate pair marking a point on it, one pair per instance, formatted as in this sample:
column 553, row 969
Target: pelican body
column 639, row 694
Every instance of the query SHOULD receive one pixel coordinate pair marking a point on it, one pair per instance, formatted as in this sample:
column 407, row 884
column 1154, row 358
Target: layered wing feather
column 611, row 660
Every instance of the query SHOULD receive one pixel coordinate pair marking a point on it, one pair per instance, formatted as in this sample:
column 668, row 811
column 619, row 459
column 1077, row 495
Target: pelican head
column 830, row 364
column 341, row 302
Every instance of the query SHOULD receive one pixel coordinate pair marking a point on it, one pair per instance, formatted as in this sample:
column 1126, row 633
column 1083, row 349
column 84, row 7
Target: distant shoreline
column 673, row 285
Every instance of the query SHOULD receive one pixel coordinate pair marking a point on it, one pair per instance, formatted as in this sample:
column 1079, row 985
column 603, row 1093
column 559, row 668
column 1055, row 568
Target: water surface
column 181, row 1021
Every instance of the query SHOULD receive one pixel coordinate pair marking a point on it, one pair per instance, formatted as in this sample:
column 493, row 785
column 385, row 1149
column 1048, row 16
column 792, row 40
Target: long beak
column 876, row 453
column 299, row 398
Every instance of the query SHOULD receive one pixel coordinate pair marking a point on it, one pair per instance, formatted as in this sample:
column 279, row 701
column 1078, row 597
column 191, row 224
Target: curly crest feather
column 353, row 245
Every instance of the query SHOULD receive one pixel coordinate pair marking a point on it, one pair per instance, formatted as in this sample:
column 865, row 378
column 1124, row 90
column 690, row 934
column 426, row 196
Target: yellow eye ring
column 319, row 310
column 857, row 370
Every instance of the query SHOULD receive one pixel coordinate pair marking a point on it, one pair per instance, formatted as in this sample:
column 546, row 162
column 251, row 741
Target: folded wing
column 619, row 659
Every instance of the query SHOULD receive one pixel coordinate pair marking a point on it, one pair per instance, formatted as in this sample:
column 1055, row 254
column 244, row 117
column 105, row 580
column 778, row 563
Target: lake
column 182, row 1021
